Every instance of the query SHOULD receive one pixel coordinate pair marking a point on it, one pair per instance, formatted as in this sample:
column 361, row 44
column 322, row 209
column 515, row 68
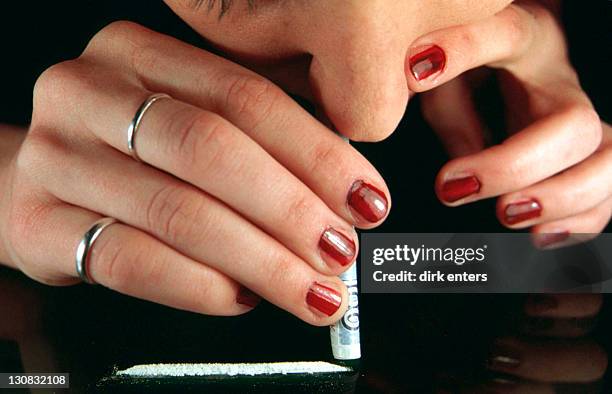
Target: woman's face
column 349, row 56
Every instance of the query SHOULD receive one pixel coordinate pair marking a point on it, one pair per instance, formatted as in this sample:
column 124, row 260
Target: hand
column 551, row 351
column 239, row 185
column 554, row 172
column 558, row 352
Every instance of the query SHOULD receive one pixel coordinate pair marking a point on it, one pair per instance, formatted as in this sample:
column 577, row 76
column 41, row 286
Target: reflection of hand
column 550, row 353
column 240, row 185
column 554, row 172
column 21, row 323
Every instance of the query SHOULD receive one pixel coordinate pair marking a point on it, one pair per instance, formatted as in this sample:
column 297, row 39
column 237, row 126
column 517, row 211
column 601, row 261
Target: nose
column 358, row 77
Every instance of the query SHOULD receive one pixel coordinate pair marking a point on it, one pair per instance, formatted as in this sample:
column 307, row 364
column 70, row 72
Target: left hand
column 554, row 171
column 555, row 350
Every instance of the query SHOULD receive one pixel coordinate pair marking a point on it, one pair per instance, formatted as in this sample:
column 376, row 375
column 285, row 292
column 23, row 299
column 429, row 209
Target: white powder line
column 232, row 369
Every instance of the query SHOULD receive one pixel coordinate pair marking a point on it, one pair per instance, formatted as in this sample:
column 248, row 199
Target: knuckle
column 126, row 42
column 37, row 151
column 206, row 296
column 115, row 263
column 203, row 141
column 300, row 209
column 588, row 125
column 468, row 40
column 325, row 157
column 281, row 274
column 40, row 150
column 602, row 216
column 195, row 133
column 113, row 33
column 117, row 29
column 23, row 221
column 252, row 98
column 175, row 213
column 51, row 86
column 519, row 26
column 203, row 292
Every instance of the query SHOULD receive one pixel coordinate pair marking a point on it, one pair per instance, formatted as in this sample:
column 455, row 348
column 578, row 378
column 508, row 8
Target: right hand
column 238, row 185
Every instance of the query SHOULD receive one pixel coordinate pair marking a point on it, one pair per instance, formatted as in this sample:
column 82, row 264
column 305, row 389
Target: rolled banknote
column 345, row 333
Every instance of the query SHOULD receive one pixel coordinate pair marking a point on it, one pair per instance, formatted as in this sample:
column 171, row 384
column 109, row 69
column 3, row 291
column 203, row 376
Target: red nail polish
column 457, row 189
column 247, row 297
column 428, row 62
column 337, row 246
column 324, row 299
column 543, row 240
column 503, row 358
column 521, row 211
column 367, row 202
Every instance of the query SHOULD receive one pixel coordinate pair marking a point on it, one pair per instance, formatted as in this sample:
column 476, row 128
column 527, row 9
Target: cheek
column 264, row 42
column 256, row 36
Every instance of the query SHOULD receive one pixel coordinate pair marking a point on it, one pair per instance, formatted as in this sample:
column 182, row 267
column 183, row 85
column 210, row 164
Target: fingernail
column 541, row 303
column 337, row 246
column 324, row 299
column 521, row 211
column 548, row 239
column 457, row 189
column 503, row 381
column 498, row 384
column 428, row 62
column 247, row 297
column 367, row 202
column 503, row 358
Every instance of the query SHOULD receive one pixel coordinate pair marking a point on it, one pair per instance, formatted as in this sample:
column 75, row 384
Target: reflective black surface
column 412, row 343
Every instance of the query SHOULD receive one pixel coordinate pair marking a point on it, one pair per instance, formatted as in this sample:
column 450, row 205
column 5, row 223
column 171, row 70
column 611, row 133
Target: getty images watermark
column 474, row 263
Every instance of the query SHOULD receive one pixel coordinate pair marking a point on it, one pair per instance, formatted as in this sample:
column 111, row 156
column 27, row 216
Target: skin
column 239, row 183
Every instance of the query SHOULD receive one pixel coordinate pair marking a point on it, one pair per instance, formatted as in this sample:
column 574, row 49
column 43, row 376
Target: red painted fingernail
column 548, row 239
column 337, row 246
column 457, row 189
column 503, row 358
column 521, row 211
column 367, row 202
column 247, row 297
column 324, row 299
column 428, row 62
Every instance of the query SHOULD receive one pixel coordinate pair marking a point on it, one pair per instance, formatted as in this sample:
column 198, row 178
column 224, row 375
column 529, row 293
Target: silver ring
column 133, row 129
column 82, row 253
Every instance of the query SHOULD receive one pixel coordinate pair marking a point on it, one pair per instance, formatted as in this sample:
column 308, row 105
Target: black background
column 409, row 337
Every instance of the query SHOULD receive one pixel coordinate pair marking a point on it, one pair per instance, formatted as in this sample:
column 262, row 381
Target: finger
column 196, row 225
column 450, row 111
column 440, row 56
column 578, row 228
column 563, row 305
column 510, row 386
column 544, row 148
column 331, row 168
column 126, row 260
column 560, row 196
column 550, row 361
column 557, row 328
column 209, row 152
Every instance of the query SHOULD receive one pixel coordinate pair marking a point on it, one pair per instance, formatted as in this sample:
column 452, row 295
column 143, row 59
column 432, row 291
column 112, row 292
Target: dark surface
column 410, row 343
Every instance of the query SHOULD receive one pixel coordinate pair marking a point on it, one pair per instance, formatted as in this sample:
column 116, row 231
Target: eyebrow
column 224, row 5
